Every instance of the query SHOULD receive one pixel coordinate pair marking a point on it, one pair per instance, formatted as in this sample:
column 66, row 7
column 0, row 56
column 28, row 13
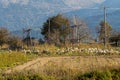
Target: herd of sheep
column 88, row 50
column 74, row 50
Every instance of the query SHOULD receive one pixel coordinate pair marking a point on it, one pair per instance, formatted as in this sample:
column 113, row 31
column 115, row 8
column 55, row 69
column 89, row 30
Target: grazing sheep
column 26, row 51
column 45, row 51
column 23, row 51
column 36, row 51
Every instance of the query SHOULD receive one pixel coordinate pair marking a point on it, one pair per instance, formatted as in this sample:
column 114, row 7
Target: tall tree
column 104, row 31
column 3, row 35
column 56, row 29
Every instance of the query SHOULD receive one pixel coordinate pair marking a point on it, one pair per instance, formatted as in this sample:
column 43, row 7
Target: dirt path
column 81, row 63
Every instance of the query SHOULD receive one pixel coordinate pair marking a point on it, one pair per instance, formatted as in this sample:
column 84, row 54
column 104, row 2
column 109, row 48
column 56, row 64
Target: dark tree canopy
column 3, row 35
column 59, row 28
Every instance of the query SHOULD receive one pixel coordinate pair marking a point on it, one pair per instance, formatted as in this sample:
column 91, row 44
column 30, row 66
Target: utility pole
column 77, row 28
column 75, row 22
column 105, row 30
column 49, row 30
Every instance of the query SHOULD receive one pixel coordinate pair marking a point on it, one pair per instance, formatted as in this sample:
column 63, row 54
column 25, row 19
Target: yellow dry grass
column 68, row 66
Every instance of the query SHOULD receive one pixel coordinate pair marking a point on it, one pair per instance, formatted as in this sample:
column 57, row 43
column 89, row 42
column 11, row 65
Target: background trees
column 13, row 42
column 62, row 29
column 80, row 30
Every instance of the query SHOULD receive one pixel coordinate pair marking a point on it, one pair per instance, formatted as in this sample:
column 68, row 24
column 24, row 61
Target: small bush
column 97, row 75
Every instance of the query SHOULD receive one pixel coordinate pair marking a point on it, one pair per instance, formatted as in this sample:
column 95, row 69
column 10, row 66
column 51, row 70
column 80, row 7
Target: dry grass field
column 71, row 61
column 67, row 66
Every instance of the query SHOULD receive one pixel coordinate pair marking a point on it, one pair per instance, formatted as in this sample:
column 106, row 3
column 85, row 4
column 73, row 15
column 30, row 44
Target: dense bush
column 97, row 75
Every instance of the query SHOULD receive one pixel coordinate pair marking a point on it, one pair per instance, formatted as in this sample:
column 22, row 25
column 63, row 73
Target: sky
column 59, row 5
column 12, row 10
column 71, row 3
column 63, row 4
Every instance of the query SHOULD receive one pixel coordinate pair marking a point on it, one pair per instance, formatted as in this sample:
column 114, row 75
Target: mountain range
column 18, row 14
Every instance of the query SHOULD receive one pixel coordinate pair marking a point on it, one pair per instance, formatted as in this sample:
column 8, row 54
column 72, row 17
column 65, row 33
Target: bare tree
column 81, row 32
column 29, row 22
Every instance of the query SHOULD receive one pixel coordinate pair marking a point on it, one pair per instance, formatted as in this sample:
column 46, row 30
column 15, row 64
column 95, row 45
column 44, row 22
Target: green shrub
column 115, row 74
column 96, row 75
column 28, row 77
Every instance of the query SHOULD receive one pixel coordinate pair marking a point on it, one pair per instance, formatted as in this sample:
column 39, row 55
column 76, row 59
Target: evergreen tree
column 58, row 27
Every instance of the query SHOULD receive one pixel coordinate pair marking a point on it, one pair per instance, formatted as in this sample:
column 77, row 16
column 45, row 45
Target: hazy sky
column 46, row 8
column 53, row 5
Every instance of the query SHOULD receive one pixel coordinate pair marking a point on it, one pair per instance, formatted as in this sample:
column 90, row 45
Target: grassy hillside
column 8, row 60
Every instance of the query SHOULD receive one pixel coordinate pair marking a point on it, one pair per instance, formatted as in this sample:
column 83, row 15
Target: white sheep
column 36, row 51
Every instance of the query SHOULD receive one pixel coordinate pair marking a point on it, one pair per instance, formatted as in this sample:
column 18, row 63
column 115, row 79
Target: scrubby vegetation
column 28, row 77
column 94, row 75
column 101, row 75
column 64, row 68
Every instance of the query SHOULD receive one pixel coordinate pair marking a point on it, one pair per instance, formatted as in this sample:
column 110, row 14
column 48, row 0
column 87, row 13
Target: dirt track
column 81, row 63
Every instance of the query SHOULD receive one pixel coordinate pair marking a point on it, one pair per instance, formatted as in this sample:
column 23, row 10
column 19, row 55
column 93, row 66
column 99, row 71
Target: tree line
column 61, row 30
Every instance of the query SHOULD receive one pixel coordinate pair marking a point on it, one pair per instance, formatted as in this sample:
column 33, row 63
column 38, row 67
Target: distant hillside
column 112, row 18
column 86, row 15
column 93, row 17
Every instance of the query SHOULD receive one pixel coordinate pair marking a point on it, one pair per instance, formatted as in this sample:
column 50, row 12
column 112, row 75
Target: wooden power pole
column 49, row 32
column 105, row 30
